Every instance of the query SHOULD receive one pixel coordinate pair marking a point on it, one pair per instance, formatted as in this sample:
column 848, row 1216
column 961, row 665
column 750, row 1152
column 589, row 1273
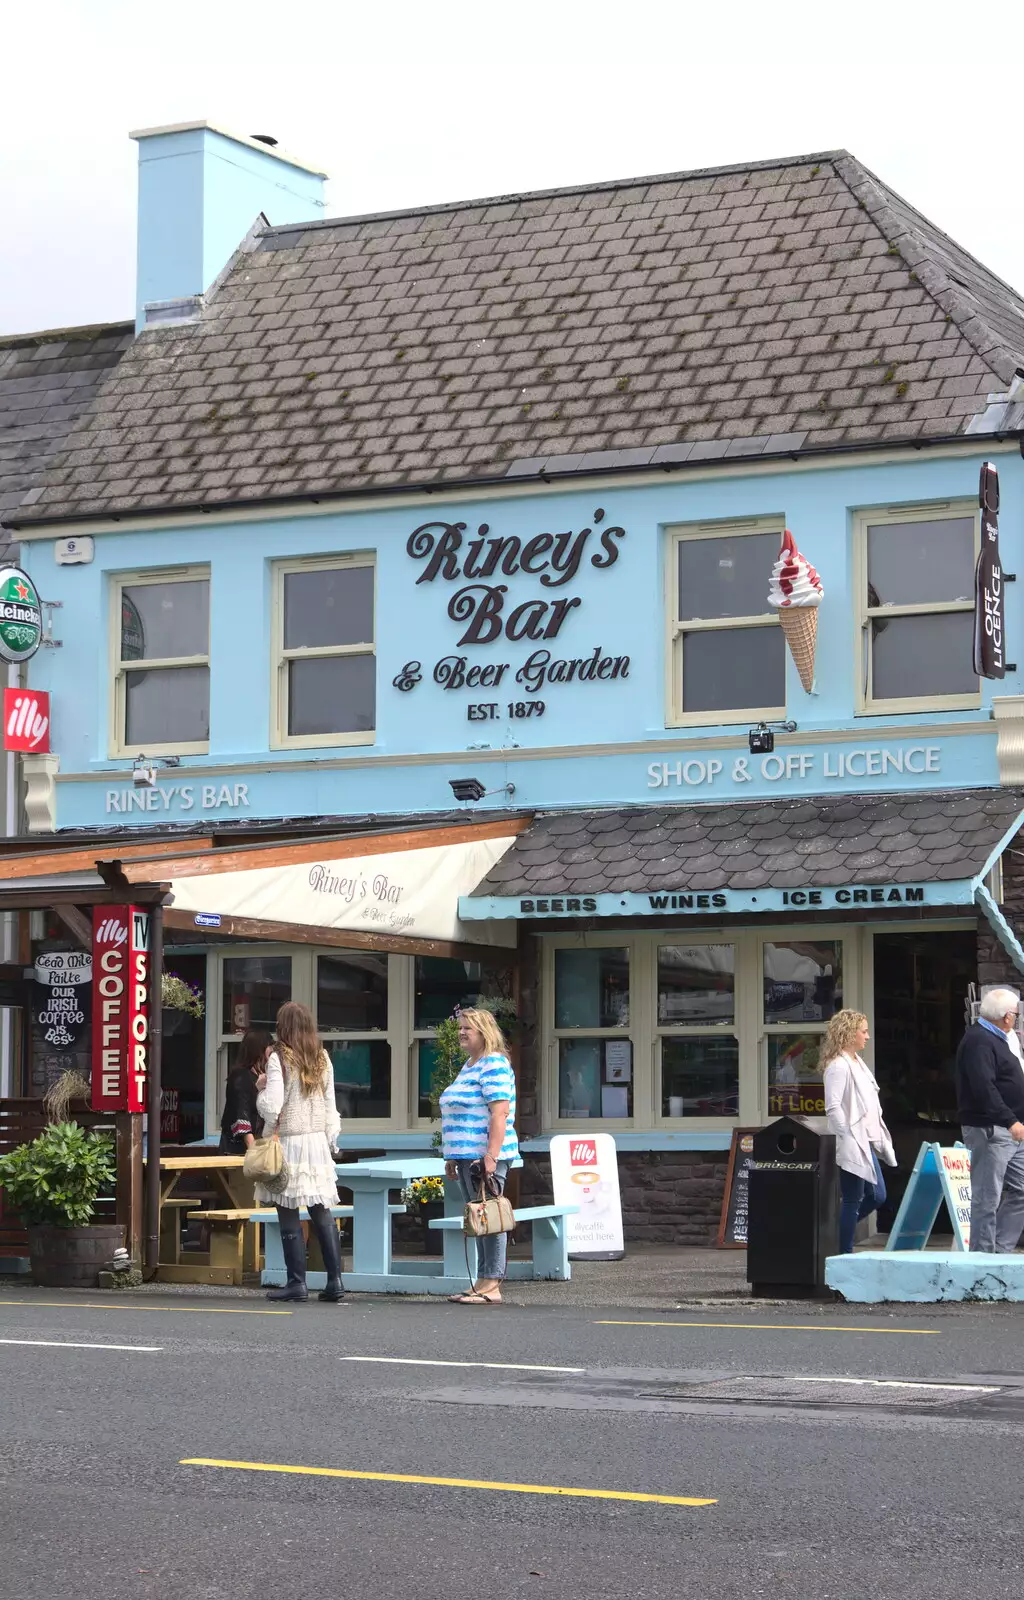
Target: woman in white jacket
column 298, row 1106
column 854, row 1113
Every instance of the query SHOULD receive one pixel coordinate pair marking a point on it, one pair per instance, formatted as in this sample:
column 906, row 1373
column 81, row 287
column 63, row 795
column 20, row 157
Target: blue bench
column 550, row 1242
column 274, row 1271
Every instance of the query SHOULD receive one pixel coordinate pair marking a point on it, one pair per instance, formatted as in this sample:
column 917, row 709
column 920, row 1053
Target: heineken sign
column 21, row 620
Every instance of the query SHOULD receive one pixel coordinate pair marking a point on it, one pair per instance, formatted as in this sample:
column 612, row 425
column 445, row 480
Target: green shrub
column 56, row 1180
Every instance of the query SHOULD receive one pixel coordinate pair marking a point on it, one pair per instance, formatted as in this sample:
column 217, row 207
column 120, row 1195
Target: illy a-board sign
column 585, row 1173
column 21, row 617
column 120, row 1009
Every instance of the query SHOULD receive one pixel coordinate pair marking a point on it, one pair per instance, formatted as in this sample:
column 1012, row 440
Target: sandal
column 475, row 1298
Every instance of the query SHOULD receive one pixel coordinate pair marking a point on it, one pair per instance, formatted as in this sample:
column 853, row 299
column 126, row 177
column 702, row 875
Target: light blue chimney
column 200, row 191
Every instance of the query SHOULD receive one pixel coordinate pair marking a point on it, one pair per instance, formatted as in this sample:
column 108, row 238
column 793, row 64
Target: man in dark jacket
column 990, row 1097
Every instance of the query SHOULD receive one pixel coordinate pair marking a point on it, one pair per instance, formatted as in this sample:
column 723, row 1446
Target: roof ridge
column 871, row 193
column 85, row 330
column 515, row 197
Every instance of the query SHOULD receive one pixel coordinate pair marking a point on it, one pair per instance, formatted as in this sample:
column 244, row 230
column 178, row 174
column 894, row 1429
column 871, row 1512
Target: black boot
column 294, row 1247
column 330, row 1249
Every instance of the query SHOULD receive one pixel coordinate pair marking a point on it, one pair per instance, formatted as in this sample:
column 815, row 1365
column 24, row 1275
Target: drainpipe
column 155, row 1093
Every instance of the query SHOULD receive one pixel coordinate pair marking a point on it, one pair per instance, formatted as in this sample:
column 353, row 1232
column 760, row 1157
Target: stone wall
column 668, row 1196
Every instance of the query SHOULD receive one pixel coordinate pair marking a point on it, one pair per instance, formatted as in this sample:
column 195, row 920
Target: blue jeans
column 859, row 1198
column 493, row 1248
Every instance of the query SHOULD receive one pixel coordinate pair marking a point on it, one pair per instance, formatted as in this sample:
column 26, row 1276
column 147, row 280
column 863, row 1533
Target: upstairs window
column 915, row 584
column 325, row 675
column 726, row 652
column 161, row 631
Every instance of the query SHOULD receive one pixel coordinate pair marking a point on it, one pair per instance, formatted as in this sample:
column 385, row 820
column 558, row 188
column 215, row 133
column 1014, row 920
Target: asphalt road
column 122, row 1423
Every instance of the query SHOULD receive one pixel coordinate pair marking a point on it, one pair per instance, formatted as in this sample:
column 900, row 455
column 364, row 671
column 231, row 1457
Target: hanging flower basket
column 177, row 995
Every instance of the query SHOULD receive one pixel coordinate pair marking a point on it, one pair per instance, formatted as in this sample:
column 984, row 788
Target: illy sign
column 27, row 721
column 120, row 1012
column 585, row 1175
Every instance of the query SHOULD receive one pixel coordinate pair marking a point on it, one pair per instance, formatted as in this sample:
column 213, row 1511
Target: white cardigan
column 854, row 1114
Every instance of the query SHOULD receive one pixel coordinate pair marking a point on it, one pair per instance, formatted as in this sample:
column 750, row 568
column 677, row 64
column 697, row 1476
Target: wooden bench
column 550, row 1240
column 170, row 1228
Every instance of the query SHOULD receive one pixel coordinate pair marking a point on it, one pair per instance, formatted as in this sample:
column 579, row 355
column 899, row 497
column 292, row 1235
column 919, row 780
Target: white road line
column 497, row 1366
column 66, row 1344
column 889, row 1383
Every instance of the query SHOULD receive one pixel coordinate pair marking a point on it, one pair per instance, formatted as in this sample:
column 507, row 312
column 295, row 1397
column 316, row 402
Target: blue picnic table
column 375, row 1269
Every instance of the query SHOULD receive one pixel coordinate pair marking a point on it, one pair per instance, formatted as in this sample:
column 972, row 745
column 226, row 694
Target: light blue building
column 490, row 495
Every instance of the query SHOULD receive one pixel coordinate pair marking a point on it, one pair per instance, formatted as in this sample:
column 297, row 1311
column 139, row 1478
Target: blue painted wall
column 199, row 194
column 620, row 614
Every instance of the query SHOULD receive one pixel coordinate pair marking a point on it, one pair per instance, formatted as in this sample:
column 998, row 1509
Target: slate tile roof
column 730, row 313
column 47, row 380
column 823, row 842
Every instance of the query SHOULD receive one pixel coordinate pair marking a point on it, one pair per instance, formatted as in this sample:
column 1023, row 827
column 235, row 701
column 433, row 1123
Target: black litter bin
column 794, row 1210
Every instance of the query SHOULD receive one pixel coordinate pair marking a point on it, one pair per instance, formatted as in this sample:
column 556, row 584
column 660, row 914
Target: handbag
column 264, row 1164
column 492, row 1213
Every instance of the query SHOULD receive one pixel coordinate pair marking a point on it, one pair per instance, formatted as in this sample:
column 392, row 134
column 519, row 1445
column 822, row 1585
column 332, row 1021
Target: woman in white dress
column 298, row 1106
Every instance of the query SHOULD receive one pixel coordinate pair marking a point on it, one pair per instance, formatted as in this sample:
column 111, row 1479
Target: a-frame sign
column 941, row 1172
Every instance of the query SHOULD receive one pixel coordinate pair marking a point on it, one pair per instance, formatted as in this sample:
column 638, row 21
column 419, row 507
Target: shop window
column 803, row 980
column 352, row 1006
column 727, row 654
column 795, row 1086
column 161, row 632
column 254, row 990
column 325, row 663
column 592, row 988
column 915, row 579
column 700, row 1076
column 441, row 986
column 802, row 989
column 595, row 1078
column 184, row 1056
column 362, row 1076
column 592, row 996
column 699, row 1069
column 352, row 993
column 696, row 983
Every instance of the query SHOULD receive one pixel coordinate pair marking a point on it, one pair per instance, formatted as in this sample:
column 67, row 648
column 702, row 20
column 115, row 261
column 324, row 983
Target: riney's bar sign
column 691, row 902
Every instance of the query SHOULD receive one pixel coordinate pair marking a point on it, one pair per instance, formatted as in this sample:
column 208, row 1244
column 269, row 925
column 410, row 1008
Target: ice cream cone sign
column 796, row 592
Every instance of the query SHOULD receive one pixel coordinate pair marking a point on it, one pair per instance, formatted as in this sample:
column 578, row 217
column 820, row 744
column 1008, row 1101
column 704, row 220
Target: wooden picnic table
column 234, row 1191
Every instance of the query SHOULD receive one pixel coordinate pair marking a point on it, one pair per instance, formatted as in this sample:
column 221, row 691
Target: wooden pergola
column 70, row 880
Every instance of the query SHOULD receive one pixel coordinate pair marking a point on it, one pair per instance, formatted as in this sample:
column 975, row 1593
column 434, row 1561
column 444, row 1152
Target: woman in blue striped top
column 478, row 1112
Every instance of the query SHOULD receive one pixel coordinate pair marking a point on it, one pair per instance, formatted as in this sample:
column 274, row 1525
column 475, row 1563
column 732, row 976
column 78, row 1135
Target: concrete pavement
column 822, row 1485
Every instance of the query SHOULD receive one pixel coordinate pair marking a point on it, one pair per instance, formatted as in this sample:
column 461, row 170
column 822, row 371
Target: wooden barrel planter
column 72, row 1258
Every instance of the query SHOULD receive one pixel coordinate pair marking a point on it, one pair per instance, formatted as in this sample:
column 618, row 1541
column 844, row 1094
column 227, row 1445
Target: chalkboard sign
column 732, row 1227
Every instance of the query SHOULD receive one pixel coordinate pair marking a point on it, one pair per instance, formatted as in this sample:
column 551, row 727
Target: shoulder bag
column 264, row 1164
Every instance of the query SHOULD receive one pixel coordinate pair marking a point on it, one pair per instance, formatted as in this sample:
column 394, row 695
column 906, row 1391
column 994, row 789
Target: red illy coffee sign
column 27, row 721
column 120, row 1012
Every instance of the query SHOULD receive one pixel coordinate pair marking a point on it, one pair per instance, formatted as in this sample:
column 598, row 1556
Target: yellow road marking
column 98, row 1305
column 768, row 1327
column 450, row 1483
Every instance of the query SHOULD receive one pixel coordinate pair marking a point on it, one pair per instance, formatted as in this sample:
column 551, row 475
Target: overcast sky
column 416, row 103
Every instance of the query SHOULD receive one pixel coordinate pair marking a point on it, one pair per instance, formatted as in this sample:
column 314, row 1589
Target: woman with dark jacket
column 241, row 1122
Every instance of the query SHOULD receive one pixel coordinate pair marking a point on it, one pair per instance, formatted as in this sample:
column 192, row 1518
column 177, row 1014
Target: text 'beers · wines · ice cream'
column 796, row 592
